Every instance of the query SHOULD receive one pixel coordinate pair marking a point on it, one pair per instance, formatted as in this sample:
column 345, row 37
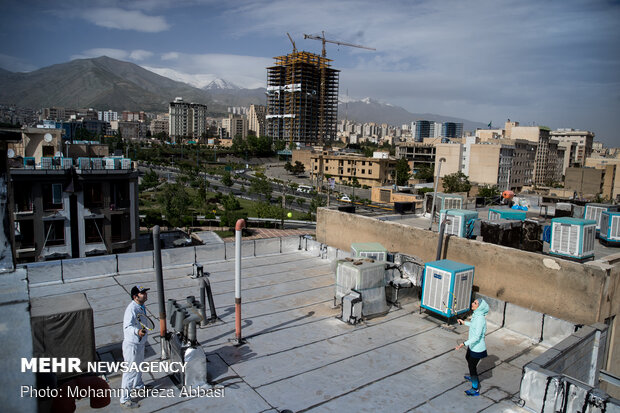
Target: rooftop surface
column 298, row 355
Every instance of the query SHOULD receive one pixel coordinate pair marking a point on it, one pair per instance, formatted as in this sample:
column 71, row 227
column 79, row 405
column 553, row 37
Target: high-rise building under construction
column 302, row 99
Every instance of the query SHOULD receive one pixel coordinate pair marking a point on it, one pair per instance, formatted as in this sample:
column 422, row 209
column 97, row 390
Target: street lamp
column 435, row 192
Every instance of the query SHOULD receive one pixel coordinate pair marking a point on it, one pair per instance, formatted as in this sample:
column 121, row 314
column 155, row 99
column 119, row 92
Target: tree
column 261, row 186
column 175, row 202
column 298, row 168
column 424, row 173
column 227, row 179
column 149, row 180
column 402, row 172
column 300, row 202
column 456, row 182
column 488, row 191
column 288, row 167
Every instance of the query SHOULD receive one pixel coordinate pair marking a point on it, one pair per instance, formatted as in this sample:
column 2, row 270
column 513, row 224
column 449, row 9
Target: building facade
column 235, row 126
column 186, row 120
column 418, row 154
column 256, row 119
column 347, row 169
column 583, row 139
column 72, row 211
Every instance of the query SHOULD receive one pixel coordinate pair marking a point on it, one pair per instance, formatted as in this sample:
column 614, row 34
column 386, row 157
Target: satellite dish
column 58, row 154
column 47, row 137
column 10, row 153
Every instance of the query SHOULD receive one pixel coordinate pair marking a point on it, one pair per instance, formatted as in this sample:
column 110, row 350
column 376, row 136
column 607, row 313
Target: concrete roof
column 298, row 355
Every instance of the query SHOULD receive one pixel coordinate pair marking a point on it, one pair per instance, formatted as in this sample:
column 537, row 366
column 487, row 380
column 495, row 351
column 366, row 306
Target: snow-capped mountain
column 219, row 84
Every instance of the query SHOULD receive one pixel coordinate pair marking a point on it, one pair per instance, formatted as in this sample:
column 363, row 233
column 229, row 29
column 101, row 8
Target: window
column 120, row 195
column 23, row 197
column 120, row 228
column 52, row 196
column 24, row 234
column 93, row 196
column 54, row 232
column 93, row 230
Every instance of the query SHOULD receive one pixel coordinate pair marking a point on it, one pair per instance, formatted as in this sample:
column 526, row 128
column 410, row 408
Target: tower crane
column 291, row 39
column 324, row 40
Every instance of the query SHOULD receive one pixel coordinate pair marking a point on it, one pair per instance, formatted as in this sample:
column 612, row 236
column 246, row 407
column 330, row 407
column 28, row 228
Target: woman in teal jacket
column 476, row 347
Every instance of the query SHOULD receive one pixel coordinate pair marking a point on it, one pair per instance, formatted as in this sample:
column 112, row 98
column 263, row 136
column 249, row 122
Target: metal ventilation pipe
column 238, row 227
column 159, row 275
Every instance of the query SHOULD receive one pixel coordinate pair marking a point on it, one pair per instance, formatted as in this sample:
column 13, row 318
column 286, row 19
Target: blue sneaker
column 468, row 378
column 472, row 392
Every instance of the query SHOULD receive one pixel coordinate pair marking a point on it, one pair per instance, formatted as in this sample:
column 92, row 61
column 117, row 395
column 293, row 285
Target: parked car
column 345, row 198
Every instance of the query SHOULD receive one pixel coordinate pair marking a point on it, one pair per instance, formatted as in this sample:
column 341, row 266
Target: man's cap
column 137, row 289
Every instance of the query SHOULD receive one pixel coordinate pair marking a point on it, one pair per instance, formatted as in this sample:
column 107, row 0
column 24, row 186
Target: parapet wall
column 580, row 293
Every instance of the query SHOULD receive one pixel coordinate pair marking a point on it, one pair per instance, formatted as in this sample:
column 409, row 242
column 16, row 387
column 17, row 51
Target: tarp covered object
column 62, row 326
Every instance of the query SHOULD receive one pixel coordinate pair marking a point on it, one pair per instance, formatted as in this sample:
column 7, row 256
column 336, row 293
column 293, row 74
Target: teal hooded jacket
column 478, row 328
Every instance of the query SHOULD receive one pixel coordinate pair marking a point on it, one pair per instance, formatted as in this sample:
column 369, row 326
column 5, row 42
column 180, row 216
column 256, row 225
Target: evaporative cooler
column 447, row 287
column 573, row 238
column 460, row 222
column 594, row 211
column 506, row 213
column 610, row 228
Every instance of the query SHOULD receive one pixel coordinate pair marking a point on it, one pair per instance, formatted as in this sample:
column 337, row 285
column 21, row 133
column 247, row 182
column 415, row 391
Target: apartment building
column 186, row 120
column 160, row 124
column 611, row 176
column 372, row 172
column 583, row 139
column 256, row 119
column 235, row 125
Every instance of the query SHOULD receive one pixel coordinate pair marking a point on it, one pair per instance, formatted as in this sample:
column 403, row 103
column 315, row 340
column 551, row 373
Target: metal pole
column 238, row 227
column 442, row 227
column 430, row 226
column 160, row 293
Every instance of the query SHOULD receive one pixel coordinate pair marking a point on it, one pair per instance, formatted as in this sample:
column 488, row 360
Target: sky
column 539, row 62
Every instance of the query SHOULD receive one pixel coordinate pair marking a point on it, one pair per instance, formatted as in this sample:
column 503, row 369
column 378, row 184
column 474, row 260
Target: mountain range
column 109, row 84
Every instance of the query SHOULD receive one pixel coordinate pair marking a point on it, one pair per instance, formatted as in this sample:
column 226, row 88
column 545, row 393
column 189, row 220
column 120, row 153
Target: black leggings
column 472, row 363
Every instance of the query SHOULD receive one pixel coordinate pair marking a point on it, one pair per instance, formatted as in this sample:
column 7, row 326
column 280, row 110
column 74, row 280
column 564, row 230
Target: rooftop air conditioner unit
column 572, row 238
column 506, row 213
column 368, row 278
column 447, row 287
column 460, row 222
column 610, row 228
column 109, row 163
column 67, row 163
column 594, row 211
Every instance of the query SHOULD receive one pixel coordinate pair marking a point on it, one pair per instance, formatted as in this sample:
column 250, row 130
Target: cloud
column 116, row 18
column 15, row 64
column 138, row 55
column 170, row 56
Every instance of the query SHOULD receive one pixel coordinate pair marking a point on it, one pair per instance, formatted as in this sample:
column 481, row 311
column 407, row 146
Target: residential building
column 160, row 124
column 132, row 130
column 129, row 116
column 107, row 116
column 256, row 119
column 349, row 168
column 302, row 99
column 452, row 153
column 70, row 208
column 53, row 113
column 546, row 162
column 38, row 143
column 186, row 120
column 584, row 140
column 235, row 125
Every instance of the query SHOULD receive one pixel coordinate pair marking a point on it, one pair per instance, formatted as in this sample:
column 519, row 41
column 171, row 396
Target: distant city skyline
column 546, row 63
